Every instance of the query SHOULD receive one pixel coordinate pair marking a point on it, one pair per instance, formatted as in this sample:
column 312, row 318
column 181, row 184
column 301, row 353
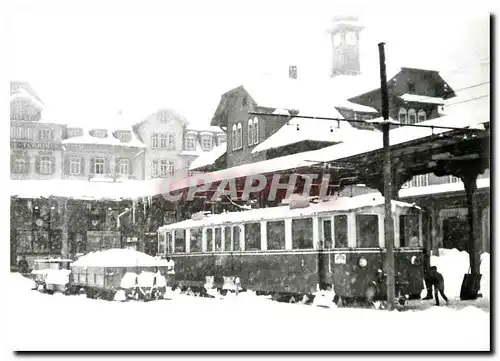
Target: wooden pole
column 389, row 223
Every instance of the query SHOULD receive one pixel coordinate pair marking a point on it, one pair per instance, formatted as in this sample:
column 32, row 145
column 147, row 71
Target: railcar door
column 324, row 247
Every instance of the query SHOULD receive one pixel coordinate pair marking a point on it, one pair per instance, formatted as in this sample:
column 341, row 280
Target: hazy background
column 87, row 60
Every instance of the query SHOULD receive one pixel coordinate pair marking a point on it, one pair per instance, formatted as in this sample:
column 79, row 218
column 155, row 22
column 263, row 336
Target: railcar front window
column 367, row 230
column 195, row 241
column 236, row 238
column 180, row 241
column 340, row 229
column 302, row 233
column 409, row 232
column 218, row 239
column 252, row 236
column 227, row 239
column 170, row 249
column 209, row 240
column 276, row 235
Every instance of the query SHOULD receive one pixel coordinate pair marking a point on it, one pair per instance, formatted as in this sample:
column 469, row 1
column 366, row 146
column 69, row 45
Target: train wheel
column 292, row 299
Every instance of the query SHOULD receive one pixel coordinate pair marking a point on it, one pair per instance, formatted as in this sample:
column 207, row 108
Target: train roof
column 341, row 204
column 118, row 257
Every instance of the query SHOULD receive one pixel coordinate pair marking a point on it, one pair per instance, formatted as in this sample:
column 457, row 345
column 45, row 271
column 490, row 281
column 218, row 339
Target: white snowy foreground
column 246, row 322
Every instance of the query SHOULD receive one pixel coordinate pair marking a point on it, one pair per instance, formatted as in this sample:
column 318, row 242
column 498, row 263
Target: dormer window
column 421, row 116
column 402, row 115
column 124, row 137
column 164, row 118
column 412, row 116
column 190, row 142
column 206, row 142
column 99, row 133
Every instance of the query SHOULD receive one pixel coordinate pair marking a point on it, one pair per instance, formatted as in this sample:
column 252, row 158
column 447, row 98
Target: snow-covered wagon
column 119, row 273
column 51, row 274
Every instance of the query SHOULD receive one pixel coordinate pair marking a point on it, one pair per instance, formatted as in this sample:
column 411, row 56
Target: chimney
column 292, row 72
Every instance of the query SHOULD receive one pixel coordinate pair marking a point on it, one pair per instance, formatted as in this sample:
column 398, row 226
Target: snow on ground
column 453, row 264
column 244, row 322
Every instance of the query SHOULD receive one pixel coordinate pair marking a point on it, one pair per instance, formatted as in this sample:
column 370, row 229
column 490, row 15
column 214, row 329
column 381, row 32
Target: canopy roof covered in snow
column 210, row 157
column 118, row 257
column 320, row 130
column 342, row 204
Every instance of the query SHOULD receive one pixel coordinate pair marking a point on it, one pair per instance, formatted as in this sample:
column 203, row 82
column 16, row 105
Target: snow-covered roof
column 421, row 99
column 208, row 158
column 300, row 129
column 118, row 257
column 356, row 107
column 85, row 190
column 108, row 140
column 441, row 188
column 204, row 128
column 21, row 93
column 396, row 136
column 342, row 204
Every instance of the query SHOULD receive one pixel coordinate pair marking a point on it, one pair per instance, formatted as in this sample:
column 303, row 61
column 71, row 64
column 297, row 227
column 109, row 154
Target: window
column 227, row 239
column 74, row 165
column 210, row 239
column 367, row 230
column 218, row 239
column 12, row 132
column 20, row 132
column 99, row 166
column 196, row 237
column 302, row 233
column 180, row 240
column 45, row 165
column 154, row 140
column 421, row 115
column 326, row 233
column 234, row 138
column 164, row 118
column 124, row 137
column 252, row 237
column 236, row 238
column 154, row 168
column 250, row 131
column 240, row 136
column 412, row 116
column 411, row 87
column 402, row 115
column 340, row 229
column 20, row 166
column 409, row 232
column 101, row 133
column 163, row 141
column 171, row 141
column 163, row 168
column 276, row 235
column 123, row 167
column 206, row 142
column 171, row 168
column 190, row 143
column 256, row 130
column 419, row 181
column 453, row 179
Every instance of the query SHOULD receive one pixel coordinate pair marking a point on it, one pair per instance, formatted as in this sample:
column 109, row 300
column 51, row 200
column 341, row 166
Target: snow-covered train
column 293, row 251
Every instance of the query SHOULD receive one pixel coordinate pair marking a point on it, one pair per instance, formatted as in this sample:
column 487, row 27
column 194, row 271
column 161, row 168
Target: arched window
column 402, row 115
column 421, row 116
column 256, row 130
column 250, row 132
column 234, row 141
column 240, row 136
column 412, row 116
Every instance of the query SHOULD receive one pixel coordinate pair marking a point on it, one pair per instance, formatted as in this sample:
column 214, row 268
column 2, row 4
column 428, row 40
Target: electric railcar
column 336, row 245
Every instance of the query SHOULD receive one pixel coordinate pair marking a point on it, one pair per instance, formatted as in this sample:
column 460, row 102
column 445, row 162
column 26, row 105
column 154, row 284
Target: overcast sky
column 88, row 61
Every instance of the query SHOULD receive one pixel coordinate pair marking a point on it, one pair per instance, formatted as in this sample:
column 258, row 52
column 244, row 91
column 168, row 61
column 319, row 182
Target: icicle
column 30, row 204
column 133, row 210
column 144, row 206
column 150, row 201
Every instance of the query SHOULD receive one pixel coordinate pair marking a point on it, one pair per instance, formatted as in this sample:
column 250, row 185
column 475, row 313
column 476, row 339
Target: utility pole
column 389, row 222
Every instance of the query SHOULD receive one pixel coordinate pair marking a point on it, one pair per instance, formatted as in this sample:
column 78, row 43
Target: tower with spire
column 345, row 34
